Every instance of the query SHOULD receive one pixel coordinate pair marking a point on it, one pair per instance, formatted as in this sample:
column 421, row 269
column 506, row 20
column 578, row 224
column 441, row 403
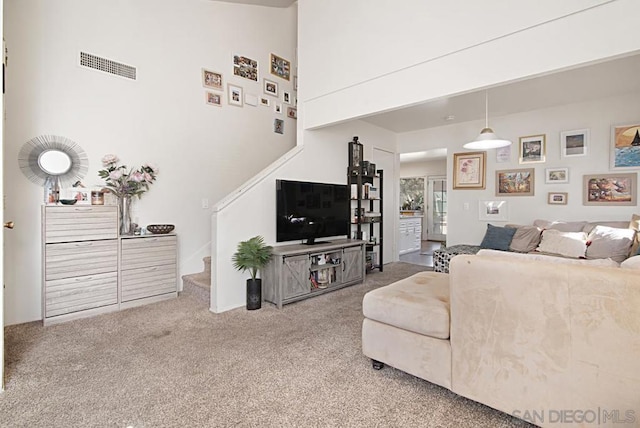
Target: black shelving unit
column 366, row 206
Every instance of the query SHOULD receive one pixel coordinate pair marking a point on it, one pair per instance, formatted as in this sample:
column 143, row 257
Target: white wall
column 2, row 238
column 203, row 152
column 385, row 55
column 323, row 158
column 599, row 115
column 423, row 169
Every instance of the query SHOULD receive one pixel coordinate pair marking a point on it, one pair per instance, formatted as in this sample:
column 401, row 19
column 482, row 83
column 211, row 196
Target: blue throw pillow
column 497, row 238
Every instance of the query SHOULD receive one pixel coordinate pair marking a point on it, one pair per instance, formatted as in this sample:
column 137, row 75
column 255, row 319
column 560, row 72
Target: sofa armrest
column 530, row 335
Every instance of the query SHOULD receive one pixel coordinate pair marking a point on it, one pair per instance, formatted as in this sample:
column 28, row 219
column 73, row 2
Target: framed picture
column 610, row 189
column 211, row 79
column 292, row 113
column 493, row 211
column 295, row 83
column 270, row 87
column 235, row 95
column 264, row 101
column 515, row 182
column 556, row 175
column 557, row 198
column 250, row 99
column 503, row 154
column 244, row 67
column 625, row 146
column 532, row 149
column 277, row 107
column 278, row 126
column 574, row 143
column 286, row 97
column 81, row 194
column 280, row 67
column 469, row 170
column 213, row 98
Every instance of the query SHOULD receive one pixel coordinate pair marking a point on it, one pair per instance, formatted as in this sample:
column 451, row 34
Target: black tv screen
column 307, row 211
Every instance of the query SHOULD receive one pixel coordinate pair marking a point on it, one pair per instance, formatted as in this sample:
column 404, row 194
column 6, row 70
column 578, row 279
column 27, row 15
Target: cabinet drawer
column 68, row 295
column 147, row 282
column 145, row 252
column 64, row 224
column 80, row 258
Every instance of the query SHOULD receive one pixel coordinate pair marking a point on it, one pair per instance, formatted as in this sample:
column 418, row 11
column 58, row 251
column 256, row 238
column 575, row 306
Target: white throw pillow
column 567, row 244
column 631, row 263
column 610, row 242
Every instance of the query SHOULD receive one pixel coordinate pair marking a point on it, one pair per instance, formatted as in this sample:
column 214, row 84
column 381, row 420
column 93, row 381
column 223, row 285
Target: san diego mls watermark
column 598, row 416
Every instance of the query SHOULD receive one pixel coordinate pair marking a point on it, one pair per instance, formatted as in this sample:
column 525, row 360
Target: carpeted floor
column 175, row 364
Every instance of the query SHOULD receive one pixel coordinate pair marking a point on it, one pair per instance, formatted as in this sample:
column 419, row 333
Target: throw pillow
column 567, row 244
column 562, row 226
column 631, row 263
column 635, row 225
column 497, row 238
column 610, row 242
column 526, row 239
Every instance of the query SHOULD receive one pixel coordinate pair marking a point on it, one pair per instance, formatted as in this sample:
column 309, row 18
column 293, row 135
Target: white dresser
column 88, row 269
column 410, row 234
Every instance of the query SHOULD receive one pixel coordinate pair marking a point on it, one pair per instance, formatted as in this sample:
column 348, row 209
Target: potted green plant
column 252, row 255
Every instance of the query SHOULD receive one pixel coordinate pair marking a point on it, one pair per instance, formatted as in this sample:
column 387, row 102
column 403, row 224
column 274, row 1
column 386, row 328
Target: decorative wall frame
column 81, row 194
column 292, row 113
column 556, row 175
column 270, row 87
column 469, row 170
column 286, row 97
column 264, row 101
column 574, row 143
column 493, row 211
column 278, row 126
column 211, row 79
column 280, row 67
column 610, row 189
column 515, row 182
column 625, row 146
column 213, row 98
column 245, row 67
column 277, row 107
column 235, row 95
column 557, row 198
column 532, row 149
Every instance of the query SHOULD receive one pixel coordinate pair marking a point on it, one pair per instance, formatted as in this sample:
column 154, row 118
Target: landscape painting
column 625, row 146
column 515, row 182
column 610, row 189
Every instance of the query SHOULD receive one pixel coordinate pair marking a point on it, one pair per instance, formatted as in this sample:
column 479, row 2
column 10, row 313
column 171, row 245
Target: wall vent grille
column 107, row 66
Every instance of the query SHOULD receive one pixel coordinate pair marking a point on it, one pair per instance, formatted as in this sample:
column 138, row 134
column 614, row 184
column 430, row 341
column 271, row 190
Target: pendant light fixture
column 487, row 138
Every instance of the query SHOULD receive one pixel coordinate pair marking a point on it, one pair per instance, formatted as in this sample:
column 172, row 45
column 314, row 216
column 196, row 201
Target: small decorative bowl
column 68, row 201
column 160, row 228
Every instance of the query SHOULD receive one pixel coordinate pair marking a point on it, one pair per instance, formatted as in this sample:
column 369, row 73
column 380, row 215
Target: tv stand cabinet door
column 295, row 276
column 353, row 259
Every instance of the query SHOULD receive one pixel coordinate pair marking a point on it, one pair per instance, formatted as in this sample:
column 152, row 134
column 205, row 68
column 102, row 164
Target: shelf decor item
column 252, row 255
column 160, row 229
column 126, row 183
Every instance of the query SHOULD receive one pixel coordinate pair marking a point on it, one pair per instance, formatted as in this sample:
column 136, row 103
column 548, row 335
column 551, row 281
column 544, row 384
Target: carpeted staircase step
column 199, row 284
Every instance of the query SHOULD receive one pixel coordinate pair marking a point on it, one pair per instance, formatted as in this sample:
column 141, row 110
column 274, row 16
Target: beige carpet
column 175, row 364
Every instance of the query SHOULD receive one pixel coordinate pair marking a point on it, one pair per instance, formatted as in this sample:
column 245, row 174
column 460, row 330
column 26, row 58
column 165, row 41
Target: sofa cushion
column 562, row 226
column 419, row 304
column 526, row 238
column 610, row 242
column 588, row 228
column 631, row 263
column 635, row 225
column 567, row 244
column 548, row 258
column 497, row 238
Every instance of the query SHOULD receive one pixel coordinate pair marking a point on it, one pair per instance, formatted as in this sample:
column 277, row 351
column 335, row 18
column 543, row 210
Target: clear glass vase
column 126, row 227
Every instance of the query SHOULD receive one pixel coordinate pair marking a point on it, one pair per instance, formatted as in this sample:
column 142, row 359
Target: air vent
column 107, row 66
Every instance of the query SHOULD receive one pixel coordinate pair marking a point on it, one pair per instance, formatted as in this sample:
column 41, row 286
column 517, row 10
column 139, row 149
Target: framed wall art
column 211, row 79
column 286, row 97
column 532, row 149
column 280, row 67
column 278, row 126
column 493, row 211
column 557, row 198
column 235, row 95
column 213, row 98
column 245, row 67
column 292, row 113
column 264, row 101
column 625, row 146
column 270, row 87
column 610, row 189
column 515, row 182
column 469, row 170
column 574, row 143
column 556, row 175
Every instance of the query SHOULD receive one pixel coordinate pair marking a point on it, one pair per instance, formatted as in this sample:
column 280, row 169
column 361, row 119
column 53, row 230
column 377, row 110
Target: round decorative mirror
column 54, row 162
column 50, row 156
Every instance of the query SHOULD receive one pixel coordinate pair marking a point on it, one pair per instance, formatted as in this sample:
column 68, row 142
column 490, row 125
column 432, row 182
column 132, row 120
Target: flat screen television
column 308, row 211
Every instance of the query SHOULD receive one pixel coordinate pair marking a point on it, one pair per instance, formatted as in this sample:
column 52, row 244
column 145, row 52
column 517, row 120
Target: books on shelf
column 369, row 191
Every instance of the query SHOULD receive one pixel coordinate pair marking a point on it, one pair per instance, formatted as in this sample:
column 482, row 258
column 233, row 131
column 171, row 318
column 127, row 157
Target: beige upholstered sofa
column 550, row 343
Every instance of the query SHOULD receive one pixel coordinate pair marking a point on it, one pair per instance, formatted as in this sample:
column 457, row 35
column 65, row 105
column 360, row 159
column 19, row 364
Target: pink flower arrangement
column 122, row 182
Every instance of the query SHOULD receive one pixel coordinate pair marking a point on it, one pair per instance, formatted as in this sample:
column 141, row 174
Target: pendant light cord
column 486, row 108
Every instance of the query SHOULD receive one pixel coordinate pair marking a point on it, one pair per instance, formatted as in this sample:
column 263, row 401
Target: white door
column 386, row 161
column 437, row 209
